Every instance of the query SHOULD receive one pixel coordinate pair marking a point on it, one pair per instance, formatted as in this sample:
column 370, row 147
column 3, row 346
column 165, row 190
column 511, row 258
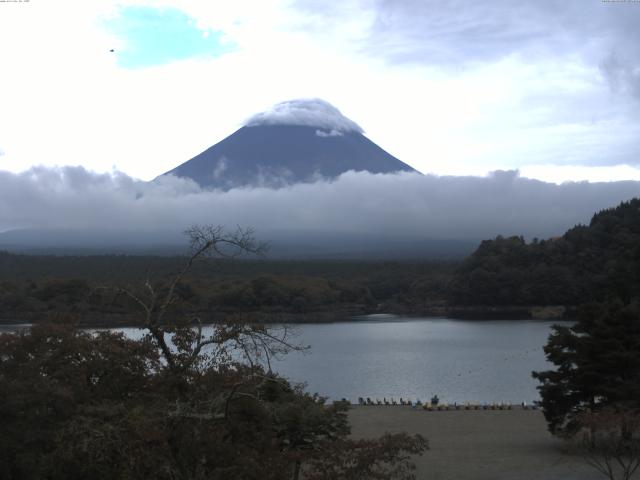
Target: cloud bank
column 403, row 205
column 312, row 112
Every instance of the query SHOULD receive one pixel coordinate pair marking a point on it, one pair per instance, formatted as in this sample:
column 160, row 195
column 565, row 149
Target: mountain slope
column 278, row 150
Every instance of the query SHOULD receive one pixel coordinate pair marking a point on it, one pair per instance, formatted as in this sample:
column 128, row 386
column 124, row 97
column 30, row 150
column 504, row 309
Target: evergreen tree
column 587, row 263
column 597, row 365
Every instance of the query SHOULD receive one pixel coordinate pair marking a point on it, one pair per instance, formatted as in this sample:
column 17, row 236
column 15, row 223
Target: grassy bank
column 477, row 444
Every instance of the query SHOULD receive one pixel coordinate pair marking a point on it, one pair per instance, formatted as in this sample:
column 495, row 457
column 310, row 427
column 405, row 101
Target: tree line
column 589, row 262
column 34, row 287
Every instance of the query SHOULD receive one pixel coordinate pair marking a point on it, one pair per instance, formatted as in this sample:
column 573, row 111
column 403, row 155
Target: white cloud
column 403, row 205
column 313, row 112
column 580, row 173
column 330, row 133
column 221, row 166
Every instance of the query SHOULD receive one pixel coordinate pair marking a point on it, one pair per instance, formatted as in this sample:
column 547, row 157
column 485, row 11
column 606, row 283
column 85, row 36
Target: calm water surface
column 487, row 361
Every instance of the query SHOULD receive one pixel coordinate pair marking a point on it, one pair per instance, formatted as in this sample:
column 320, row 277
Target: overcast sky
column 549, row 87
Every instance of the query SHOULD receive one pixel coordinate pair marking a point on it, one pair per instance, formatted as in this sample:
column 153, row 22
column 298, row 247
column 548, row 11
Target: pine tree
column 597, row 365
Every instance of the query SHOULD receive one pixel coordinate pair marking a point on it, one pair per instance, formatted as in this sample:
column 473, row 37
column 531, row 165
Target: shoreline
column 476, row 313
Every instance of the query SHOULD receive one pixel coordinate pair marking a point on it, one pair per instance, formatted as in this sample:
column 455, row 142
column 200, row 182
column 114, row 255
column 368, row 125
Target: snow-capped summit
column 313, row 112
column 293, row 142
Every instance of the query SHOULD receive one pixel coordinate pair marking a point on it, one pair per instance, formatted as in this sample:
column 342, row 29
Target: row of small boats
column 435, row 404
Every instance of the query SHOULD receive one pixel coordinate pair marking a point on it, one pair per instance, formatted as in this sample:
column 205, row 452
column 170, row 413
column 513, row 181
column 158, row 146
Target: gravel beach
column 477, row 444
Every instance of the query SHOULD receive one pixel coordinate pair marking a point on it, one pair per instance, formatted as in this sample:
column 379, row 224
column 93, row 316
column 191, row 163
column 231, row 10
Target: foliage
column 31, row 286
column 379, row 459
column 586, row 263
column 597, row 365
column 177, row 404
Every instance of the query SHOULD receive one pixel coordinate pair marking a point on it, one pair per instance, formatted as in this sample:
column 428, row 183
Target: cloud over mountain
column 313, row 112
column 404, row 205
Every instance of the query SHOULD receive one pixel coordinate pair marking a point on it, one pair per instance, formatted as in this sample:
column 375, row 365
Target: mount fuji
column 295, row 141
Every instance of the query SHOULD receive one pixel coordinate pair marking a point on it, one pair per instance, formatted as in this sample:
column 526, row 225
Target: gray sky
column 549, row 87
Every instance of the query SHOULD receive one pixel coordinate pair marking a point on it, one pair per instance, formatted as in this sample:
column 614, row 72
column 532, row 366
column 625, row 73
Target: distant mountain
column 296, row 141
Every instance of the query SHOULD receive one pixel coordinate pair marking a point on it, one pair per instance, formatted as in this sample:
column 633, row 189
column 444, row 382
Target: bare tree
column 610, row 442
column 181, row 339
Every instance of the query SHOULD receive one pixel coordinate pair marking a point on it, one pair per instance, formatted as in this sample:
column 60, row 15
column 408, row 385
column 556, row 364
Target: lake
column 387, row 356
column 460, row 361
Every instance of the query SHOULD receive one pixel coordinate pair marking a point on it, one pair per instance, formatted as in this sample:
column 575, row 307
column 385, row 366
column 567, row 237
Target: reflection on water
column 14, row 327
column 487, row 361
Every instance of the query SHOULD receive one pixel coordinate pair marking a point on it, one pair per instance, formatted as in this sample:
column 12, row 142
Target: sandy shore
column 477, row 445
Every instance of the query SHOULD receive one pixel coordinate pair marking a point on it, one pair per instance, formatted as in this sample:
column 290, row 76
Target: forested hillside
column 35, row 287
column 587, row 263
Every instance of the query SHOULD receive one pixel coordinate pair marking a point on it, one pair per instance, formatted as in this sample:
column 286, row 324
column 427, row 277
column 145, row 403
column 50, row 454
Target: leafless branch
column 205, row 241
column 610, row 441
